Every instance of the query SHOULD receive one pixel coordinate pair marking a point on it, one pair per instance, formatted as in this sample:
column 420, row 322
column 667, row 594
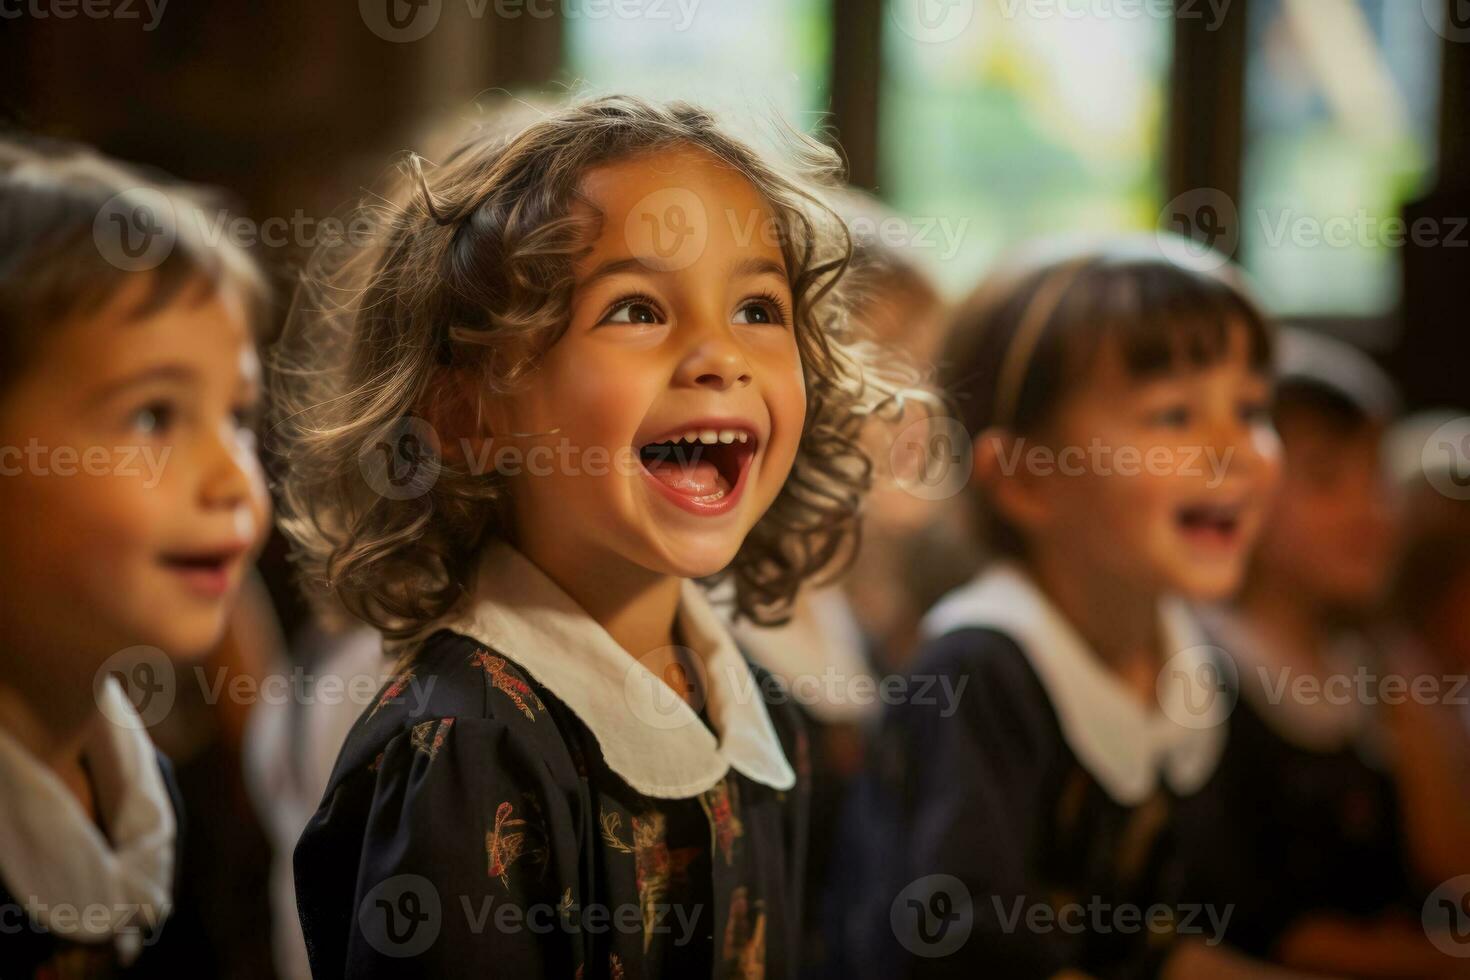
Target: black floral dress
column 473, row 828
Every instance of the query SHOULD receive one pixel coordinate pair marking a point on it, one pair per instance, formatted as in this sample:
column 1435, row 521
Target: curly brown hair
column 469, row 271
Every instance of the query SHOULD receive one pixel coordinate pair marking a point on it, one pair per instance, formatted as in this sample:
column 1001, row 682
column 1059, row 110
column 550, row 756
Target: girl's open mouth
column 207, row 573
column 1211, row 525
column 702, row 469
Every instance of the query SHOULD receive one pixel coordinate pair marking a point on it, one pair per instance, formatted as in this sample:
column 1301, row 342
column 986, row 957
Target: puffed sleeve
column 455, row 854
column 961, row 788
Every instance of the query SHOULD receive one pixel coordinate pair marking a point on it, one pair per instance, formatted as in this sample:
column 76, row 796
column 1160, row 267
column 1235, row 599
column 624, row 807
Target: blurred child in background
column 1346, row 800
column 130, row 507
column 1123, row 461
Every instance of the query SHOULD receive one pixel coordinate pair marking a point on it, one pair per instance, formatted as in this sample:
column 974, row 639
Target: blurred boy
column 131, row 503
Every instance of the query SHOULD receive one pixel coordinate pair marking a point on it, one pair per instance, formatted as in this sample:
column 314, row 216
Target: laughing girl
column 1062, row 822
column 581, row 368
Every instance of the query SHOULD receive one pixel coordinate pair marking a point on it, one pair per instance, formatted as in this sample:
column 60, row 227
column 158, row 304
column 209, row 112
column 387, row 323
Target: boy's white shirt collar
column 1317, row 725
column 648, row 735
column 821, row 641
column 58, row 864
column 1119, row 740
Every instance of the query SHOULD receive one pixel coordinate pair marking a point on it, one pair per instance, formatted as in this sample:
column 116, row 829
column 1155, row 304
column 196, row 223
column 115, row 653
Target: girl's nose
column 714, row 361
column 232, row 475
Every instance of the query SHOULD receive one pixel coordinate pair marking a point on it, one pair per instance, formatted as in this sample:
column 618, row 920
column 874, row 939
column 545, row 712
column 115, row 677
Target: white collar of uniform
column 648, row 735
column 1119, row 740
column 58, row 864
column 1320, row 724
column 822, row 642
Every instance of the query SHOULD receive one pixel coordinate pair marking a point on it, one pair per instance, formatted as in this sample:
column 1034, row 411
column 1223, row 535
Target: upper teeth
column 712, row 436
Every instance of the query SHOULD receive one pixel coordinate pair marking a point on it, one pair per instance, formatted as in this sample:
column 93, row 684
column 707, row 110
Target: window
column 1021, row 120
column 1341, row 110
column 742, row 59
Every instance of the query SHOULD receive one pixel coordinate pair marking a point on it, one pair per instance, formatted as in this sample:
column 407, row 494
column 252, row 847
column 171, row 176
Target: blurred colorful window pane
column 1340, row 131
column 1016, row 119
column 741, row 59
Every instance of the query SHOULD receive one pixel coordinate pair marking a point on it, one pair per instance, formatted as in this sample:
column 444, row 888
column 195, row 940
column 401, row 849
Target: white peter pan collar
column 1122, row 742
column 1314, row 724
column 821, row 640
column 56, row 861
column 648, row 735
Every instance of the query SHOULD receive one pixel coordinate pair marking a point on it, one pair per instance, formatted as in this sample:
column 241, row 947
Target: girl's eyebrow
column 614, row 266
column 745, row 268
column 181, row 373
column 751, row 267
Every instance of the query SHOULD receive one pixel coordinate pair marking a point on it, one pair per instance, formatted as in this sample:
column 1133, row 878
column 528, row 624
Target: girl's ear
column 1003, row 475
column 454, row 406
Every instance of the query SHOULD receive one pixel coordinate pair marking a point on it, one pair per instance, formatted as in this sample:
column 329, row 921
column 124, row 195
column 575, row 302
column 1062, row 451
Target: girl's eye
column 1255, row 413
column 245, row 417
column 765, row 309
column 1173, row 417
column 153, row 419
column 637, row 310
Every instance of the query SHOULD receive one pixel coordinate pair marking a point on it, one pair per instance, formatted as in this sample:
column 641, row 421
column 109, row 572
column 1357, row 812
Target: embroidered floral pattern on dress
column 428, row 736
column 655, row 864
column 511, row 839
column 745, row 937
column 721, row 803
column 396, row 686
column 612, row 826
column 501, row 676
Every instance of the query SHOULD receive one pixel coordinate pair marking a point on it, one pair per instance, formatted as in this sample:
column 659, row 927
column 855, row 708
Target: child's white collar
column 57, row 863
column 1119, row 740
column 648, row 735
column 1322, row 724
